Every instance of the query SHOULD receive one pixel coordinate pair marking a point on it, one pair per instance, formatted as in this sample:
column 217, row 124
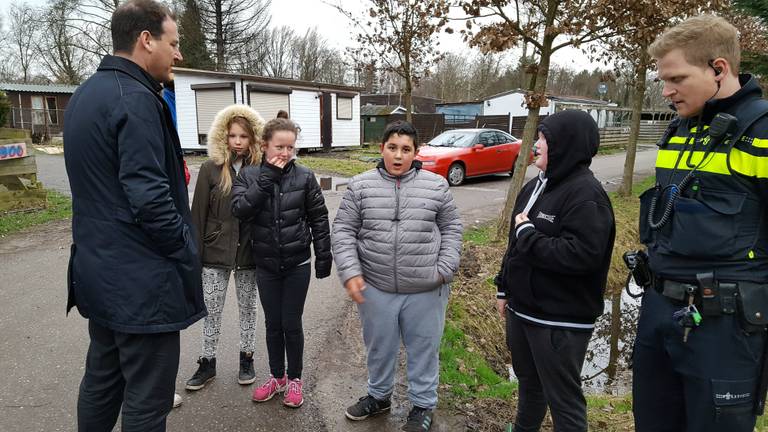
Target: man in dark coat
column 134, row 271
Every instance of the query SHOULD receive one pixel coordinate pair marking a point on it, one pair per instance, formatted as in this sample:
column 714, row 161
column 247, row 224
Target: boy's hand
column 355, row 287
column 501, row 306
column 520, row 218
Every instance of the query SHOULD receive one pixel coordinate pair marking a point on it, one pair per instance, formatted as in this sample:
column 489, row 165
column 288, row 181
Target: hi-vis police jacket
column 718, row 223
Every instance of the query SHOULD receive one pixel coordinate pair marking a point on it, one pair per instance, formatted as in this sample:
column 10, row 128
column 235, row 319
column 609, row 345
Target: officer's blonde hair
column 701, row 38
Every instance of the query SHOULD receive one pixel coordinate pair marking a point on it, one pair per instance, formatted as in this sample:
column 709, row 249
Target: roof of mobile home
column 299, row 84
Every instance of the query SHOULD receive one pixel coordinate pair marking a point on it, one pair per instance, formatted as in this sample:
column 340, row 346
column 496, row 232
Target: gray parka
column 402, row 234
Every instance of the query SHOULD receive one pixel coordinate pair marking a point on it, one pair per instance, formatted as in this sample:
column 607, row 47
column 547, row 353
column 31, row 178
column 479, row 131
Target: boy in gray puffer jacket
column 398, row 234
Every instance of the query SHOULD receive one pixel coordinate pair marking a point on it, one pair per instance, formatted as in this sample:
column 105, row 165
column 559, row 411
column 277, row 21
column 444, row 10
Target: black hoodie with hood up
column 555, row 268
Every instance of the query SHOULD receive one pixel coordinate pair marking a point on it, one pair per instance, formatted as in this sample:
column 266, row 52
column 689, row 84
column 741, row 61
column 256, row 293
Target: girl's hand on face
column 276, row 161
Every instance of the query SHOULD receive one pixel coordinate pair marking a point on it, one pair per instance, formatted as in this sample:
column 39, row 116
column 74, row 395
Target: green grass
column 344, row 167
column 480, row 235
column 609, row 150
column 465, row 373
column 59, row 207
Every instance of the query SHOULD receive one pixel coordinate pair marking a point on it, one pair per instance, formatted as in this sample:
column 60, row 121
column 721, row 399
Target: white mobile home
column 328, row 114
column 513, row 103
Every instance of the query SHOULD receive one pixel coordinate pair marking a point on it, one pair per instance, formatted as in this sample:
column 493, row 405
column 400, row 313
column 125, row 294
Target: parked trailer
column 328, row 115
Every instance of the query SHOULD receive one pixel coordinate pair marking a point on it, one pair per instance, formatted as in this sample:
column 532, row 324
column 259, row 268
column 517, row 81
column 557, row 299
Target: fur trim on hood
column 217, row 135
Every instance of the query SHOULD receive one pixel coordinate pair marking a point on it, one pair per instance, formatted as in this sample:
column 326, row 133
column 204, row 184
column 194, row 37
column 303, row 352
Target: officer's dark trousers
column 548, row 365
column 705, row 385
column 135, row 371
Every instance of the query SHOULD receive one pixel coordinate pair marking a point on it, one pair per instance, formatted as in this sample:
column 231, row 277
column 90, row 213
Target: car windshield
column 453, row 139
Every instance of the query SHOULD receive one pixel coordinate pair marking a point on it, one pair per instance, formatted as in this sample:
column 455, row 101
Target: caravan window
column 344, row 108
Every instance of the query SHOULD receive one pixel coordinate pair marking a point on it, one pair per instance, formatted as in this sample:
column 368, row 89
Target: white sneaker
column 176, row 400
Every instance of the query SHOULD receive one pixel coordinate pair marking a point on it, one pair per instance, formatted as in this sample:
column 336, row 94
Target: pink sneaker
column 267, row 390
column 293, row 395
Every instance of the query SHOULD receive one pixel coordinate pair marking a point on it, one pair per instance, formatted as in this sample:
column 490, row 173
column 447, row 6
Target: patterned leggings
column 215, row 281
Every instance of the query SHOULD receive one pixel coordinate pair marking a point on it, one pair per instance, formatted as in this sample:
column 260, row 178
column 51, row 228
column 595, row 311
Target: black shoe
column 367, row 406
column 205, row 373
column 247, row 374
column 419, row 420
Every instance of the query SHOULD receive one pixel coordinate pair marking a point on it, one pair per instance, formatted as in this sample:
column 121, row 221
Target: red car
column 461, row 153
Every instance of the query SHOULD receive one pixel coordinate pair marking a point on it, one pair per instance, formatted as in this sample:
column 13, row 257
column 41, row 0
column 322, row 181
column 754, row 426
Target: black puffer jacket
column 287, row 212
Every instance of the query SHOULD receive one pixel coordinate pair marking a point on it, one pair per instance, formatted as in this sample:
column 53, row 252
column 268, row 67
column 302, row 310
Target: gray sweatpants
column 419, row 320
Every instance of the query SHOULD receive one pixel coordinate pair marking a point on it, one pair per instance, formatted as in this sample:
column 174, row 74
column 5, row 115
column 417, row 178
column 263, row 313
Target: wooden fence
column 618, row 136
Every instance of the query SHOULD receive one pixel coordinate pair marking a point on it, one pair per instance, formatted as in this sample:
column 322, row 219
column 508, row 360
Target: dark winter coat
column 225, row 242
column 287, row 212
column 555, row 268
column 134, row 266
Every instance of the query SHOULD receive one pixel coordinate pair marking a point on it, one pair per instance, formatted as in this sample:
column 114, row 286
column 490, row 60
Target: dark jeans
column 135, row 371
column 282, row 298
column 548, row 362
column 704, row 385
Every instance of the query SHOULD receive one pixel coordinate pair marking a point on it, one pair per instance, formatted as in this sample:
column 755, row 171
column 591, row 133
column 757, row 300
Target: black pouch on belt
column 754, row 302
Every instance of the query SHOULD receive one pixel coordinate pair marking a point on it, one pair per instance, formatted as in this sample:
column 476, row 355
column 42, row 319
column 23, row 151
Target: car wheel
column 456, row 174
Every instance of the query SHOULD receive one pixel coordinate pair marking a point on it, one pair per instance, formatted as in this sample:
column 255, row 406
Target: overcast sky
column 305, row 14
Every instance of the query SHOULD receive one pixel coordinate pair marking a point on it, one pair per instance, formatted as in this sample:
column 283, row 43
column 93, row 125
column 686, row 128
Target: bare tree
column 310, row 53
column 449, row 79
column 22, row 34
column 278, row 61
column 90, row 22
column 547, row 26
column 232, row 26
column 55, row 47
column 399, row 36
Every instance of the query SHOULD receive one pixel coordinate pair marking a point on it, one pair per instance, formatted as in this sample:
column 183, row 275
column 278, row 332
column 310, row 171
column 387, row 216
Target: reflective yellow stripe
column 693, row 129
column 715, row 161
column 760, row 142
column 749, row 165
column 741, row 162
column 678, row 140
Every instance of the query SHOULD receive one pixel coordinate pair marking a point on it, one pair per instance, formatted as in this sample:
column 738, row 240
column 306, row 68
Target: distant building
column 421, row 104
column 374, row 118
column 328, row 114
column 38, row 108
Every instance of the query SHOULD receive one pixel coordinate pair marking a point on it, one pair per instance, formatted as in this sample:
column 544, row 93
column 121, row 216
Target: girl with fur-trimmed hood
column 233, row 143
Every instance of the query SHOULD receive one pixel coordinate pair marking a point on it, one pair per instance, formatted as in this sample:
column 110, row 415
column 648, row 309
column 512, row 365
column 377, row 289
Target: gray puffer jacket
column 402, row 234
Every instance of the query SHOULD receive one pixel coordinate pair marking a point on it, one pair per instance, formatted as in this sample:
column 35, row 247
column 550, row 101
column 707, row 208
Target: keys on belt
column 688, row 317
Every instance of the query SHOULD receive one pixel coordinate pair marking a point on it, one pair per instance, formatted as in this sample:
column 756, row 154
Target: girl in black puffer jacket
column 285, row 208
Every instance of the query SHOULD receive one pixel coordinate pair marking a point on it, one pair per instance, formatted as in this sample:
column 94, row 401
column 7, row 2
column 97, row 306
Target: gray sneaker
column 246, row 375
column 205, row 373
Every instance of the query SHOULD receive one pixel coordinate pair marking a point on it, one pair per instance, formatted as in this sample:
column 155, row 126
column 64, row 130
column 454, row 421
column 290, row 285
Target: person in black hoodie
column 554, row 272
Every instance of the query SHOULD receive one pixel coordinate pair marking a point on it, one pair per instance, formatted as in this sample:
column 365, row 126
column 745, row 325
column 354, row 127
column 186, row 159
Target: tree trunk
column 408, row 101
column 637, row 111
column 539, row 87
column 220, row 61
column 613, row 356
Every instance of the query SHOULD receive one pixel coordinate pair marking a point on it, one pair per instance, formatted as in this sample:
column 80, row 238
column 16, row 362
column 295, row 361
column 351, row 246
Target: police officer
column 698, row 355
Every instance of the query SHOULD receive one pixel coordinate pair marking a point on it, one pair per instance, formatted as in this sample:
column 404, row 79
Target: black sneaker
column 247, row 374
column 419, row 420
column 205, row 373
column 367, row 406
